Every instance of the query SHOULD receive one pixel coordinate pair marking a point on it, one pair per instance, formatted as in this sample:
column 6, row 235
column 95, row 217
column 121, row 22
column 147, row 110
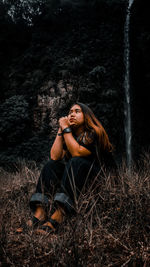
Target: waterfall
column 127, row 107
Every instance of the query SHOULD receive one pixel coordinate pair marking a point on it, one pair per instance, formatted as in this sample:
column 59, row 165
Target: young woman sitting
column 80, row 148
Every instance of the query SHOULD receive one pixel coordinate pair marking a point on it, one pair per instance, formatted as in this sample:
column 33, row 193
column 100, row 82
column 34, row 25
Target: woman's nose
column 72, row 114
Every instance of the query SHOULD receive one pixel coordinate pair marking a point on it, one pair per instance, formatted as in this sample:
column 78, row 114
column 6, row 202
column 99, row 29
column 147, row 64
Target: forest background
column 56, row 52
column 53, row 53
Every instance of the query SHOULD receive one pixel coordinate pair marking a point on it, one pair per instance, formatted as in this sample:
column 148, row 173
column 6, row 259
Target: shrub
column 13, row 120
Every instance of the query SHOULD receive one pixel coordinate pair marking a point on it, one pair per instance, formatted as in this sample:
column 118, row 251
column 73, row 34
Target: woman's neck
column 78, row 131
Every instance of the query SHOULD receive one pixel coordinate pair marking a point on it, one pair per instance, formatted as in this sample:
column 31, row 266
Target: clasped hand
column 64, row 122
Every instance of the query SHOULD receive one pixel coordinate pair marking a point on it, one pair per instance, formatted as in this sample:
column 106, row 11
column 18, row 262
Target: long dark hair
column 92, row 124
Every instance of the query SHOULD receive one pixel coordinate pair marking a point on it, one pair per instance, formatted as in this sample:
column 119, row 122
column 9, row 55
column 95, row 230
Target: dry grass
column 111, row 228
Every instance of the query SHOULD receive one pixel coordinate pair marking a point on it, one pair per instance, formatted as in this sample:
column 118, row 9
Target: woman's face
column 76, row 116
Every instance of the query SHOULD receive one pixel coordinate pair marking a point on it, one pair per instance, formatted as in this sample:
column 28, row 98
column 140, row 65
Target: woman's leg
column 77, row 171
column 75, row 174
column 50, row 177
column 48, row 181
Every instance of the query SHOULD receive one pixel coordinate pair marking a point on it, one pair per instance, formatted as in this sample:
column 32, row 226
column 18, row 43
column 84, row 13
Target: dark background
column 75, row 43
column 140, row 76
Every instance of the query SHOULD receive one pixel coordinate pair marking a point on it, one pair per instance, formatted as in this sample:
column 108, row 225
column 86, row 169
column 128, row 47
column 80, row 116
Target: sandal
column 46, row 229
column 34, row 222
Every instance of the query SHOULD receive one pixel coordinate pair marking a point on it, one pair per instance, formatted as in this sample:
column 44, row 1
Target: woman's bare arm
column 57, row 152
column 74, row 148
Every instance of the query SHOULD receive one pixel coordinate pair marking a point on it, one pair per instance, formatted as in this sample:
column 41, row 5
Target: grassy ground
column 111, row 228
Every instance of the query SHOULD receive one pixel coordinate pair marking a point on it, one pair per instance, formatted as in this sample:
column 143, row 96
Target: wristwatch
column 67, row 130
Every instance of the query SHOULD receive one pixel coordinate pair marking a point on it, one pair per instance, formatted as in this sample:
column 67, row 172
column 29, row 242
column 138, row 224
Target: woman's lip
column 72, row 120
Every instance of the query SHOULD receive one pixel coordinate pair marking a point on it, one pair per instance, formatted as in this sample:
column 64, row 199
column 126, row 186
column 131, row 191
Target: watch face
column 67, row 130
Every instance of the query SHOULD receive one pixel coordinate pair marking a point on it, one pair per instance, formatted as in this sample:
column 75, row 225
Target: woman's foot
column 39, row 218
column 52, row 225
column 40, row 213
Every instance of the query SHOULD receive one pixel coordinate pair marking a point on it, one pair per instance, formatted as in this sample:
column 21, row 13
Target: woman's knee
column 76, row 162
column 50, row 165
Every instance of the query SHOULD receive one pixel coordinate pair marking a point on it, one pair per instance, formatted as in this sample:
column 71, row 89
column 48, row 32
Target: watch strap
column 60, row 134
column 67, row 130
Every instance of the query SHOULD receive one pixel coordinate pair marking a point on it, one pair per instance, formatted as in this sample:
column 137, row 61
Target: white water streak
column 128, row 133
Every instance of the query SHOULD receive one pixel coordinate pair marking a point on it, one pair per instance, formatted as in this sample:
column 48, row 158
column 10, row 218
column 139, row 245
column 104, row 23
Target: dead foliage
column 111, row 227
